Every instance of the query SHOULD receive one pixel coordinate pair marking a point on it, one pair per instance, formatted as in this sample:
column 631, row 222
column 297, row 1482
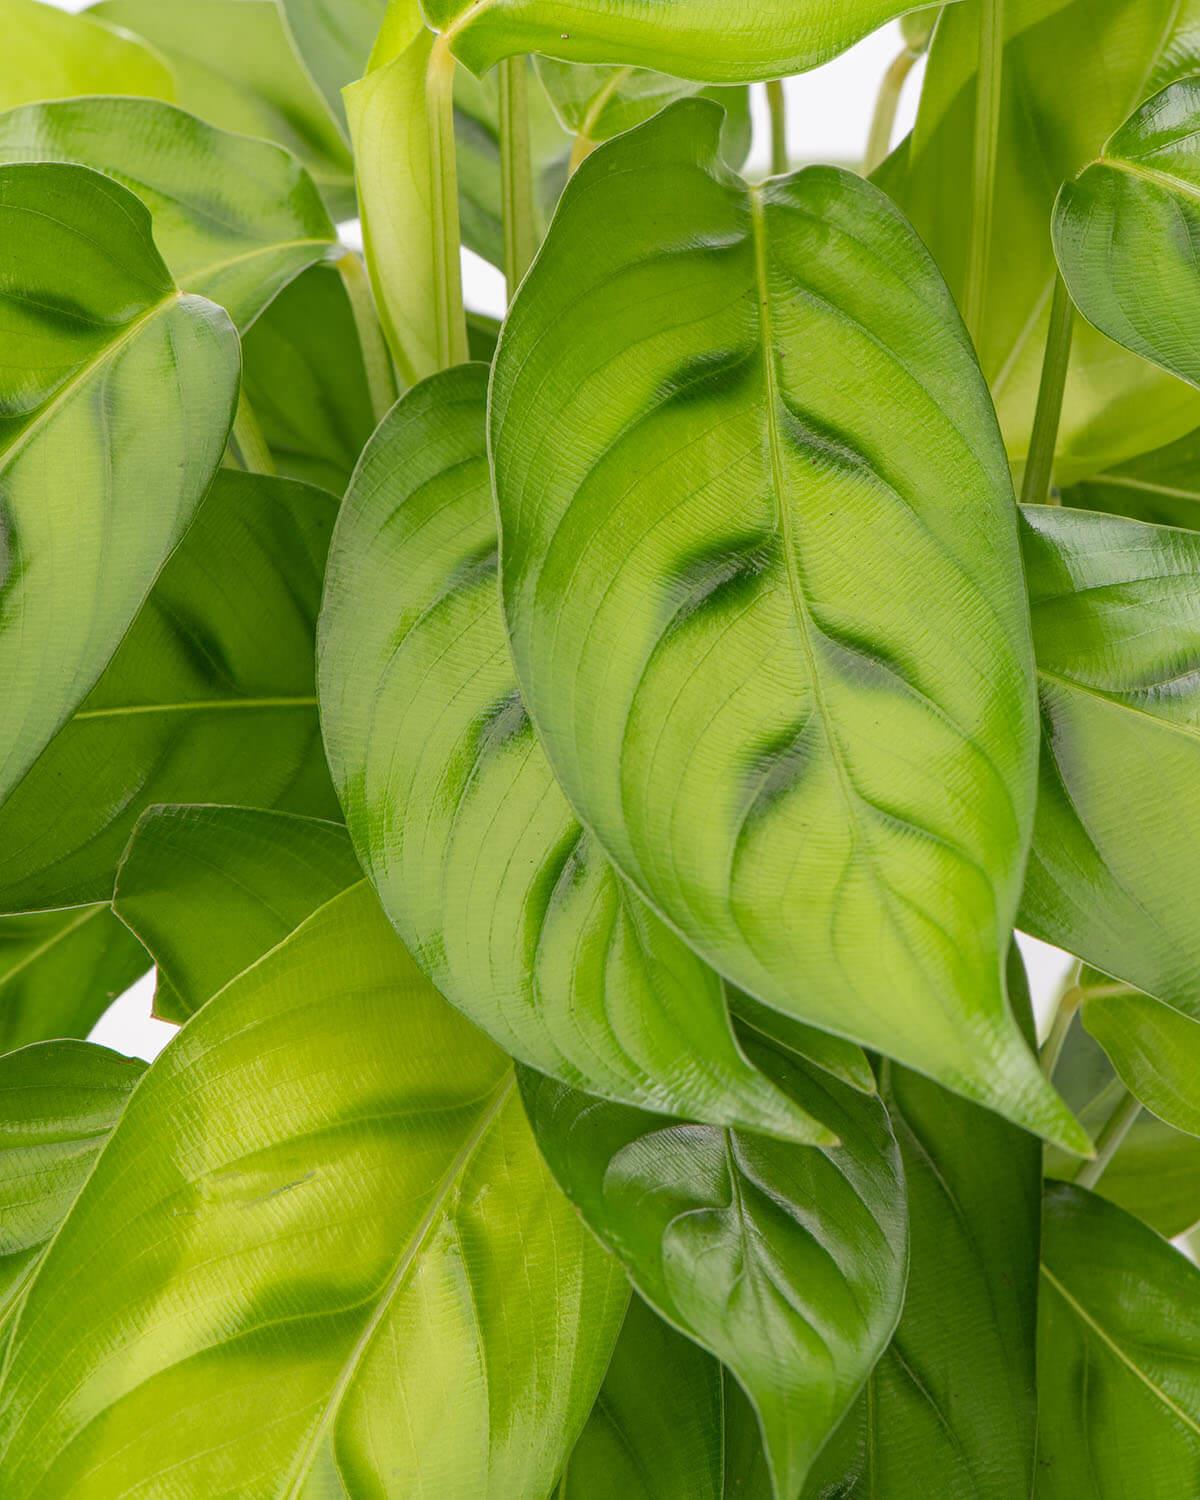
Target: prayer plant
column 577, row 779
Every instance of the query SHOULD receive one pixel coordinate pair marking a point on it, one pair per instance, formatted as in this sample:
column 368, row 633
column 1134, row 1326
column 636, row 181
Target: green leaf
column 762, row 582
column 60, row 971
column 251, row 876
column 719, row 43
column 1155, row 1174
column 234, row 219
column 319, row 1250
column 59, row 1102
column 302, row 371
column 51, row 54
column 209, row 698
column 1118, row 1331
column 786, row 1262
column 1114, row 863
column 1163, row 486
column 1155, row 1050
column 502, row 897
column 1116, row 52
column 234, row 66
column 1126, row 227
column 334, row 39
column 668, row 1424
column 951, row 1409
column 116, row 398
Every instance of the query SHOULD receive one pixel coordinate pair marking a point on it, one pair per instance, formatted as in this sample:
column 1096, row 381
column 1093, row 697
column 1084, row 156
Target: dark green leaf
column 1163, row 486
column 764, row 593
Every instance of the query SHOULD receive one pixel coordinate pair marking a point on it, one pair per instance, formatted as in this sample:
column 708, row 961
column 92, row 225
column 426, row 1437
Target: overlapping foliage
column 576, row 779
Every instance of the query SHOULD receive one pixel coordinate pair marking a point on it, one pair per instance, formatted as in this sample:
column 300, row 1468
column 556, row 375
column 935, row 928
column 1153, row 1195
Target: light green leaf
column 59, row 1102
column 1116, row 619
column 719, row 43
column 786, row 1262
column 60, row 971
column 251, row 876
column 209, row 698
column 669, row 1424
column 334, row 39
column 116, row 398
column 50, row 54
column 234, row 66
column 1155, row 1050
column 1119, row 1388
column 302, row 370
column 234, row 219
column 1125, row 232
column 1163, row 486
column 951, row 1408
column 763, row 587
column 502, row 897
column 1116, row 52
column 319, row 1254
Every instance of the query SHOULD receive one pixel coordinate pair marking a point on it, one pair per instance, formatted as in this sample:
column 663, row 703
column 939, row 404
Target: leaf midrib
column 1100, row 696
column 1165, row 180
column 195, row 705
column 89, row 912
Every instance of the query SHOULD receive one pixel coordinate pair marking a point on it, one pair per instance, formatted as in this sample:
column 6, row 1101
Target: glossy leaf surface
column 1119, row 52
column 61, row 970
column 320, row 1248
column 786, row 1262
column 1116, row 857
column 1163, row 486
column 209, row 698
column 1119, row 1325
column 234, row 219
column 762, row 582
column 249, row 875
column 234, row 65
column 508, row 904
column 116, row 396
column 668, row 1424
column 50, row 54
column 720, row 43
column 951, row 1408
column 59, row 1102
column 302, row 370
column 1155, row 1050
column 1126, row 227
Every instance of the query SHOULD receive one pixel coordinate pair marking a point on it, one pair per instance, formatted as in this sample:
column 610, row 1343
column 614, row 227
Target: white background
column 829, row 112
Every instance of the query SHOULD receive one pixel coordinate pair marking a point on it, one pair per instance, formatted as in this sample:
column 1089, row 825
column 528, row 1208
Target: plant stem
column 1108, row 1142
column 777, row 109
column 1068, row 1004
column 883, row 122
column 987, row 139
column 1039, row 466
column 516, row 172
column 377, row 362
column 452, row 348
column 249, row 444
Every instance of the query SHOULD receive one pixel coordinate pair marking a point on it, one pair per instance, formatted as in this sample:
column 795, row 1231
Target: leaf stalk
column 987, row 140
column 377, row 362
column 516, row 172
column 1039, row 466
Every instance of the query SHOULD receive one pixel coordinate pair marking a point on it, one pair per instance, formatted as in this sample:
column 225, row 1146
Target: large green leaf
column 669, row 1424
column 252, row 876
column 728, row 42
column 334, row 39
column 1154, row 1049
column 234, row 65
column 116, row 398
column 503, row 898
column 1163, row 486
column 787, row 1262
column 1119, row 1387
column 59, row 1102
column 951, row 1409
column 61, row 970
column 762, row 581
column 1125, row 232
column 209, row 698
column 302, row 370
column 1116, row 856
column 50, row 54
column 318, row 1255
column 235, row 219
column 1073, row 71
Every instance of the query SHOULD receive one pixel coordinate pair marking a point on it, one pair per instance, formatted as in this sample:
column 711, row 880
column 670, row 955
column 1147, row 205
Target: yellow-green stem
column 1039, row 466
column 516, row 172
column 377, row 362
column 987, row 139
column 452, row 348
column 1108, row 1142
column 777, row 110
column 249, row 444
column 883, row 122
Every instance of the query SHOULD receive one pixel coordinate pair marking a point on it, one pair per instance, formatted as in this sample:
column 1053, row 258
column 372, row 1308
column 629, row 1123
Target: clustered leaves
column 576, row 780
